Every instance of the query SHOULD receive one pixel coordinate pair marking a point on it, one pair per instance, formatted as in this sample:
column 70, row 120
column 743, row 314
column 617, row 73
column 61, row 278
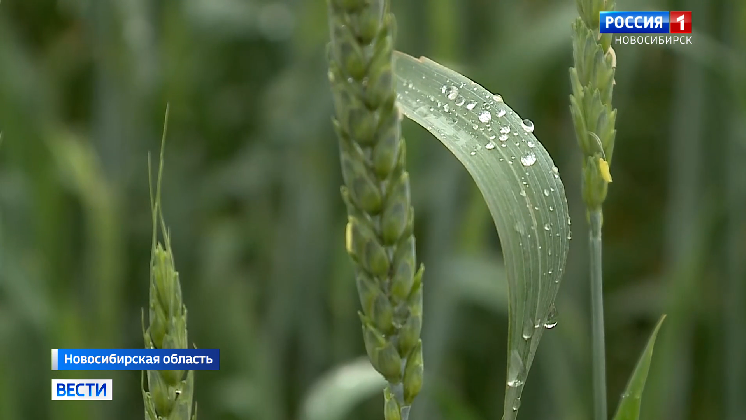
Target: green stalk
column 379, row 235
column 592, row 79
column 597, row 317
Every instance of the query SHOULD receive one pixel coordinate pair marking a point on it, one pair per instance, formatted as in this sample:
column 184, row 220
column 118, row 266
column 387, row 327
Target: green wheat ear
column 169, row 392
column 380, row 217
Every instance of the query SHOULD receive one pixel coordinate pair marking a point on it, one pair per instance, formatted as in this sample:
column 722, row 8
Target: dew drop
column 474, row 126
column 501, row 113
column 485, row 116
column 546, row 192
column 528, row 330
column 517, row 404
column 528, row 125
column 489, row 146
column 471, row 105
column 551, row 321
column 523, row 193
column 497, row 98
column 551, row 208
column 460, row 100
column 546, row 226
column 503, row 137
column 519, row 227
column 473, row 152
column 530, row 143
column 446, row 108
column 515, row 367
column 492, row 137
column 528, row 160
column 452, row 92
column 505, row 130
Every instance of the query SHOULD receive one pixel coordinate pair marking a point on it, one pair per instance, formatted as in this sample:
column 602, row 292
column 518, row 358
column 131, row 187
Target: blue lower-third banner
column 135, row 359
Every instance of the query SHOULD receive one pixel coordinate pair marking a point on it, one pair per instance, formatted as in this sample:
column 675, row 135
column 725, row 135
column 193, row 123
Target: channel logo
column 646, row 22
column 82, row 389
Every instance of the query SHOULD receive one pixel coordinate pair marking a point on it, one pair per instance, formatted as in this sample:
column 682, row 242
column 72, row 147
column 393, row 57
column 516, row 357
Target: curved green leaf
column 334, row 395
column 629, row 406
column 520, row 184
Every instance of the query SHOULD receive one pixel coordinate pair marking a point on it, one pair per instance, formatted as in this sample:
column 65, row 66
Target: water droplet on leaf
column 528, row 330
column 551, row 321
column 519, row 228
column 452, row 92
column 515, row 368
column 527, row 125
column 517, row 404
column 485, row 116
column 529, row 159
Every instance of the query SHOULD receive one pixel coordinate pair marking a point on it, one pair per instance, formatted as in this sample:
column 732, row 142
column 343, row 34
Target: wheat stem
column 597, row 318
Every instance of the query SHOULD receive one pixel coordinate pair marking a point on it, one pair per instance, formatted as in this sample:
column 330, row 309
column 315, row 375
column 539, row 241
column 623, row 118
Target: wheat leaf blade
column 520, row 184
column 629, row 406
column 335, row 394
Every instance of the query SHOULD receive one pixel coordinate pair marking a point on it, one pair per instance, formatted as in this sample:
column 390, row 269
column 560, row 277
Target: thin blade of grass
column 334, row 395
column 629, row 406
column 520, row 184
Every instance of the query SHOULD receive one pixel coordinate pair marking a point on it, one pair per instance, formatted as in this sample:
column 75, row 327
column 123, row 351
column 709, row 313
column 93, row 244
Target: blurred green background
column 251, row 194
